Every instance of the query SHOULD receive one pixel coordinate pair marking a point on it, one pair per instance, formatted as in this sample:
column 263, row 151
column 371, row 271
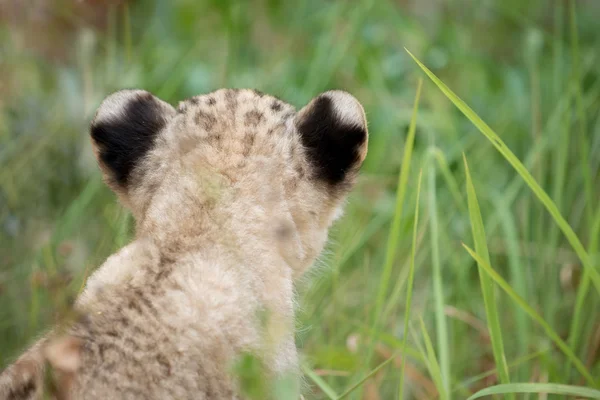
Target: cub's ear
column 124, row 130
column 333, row 130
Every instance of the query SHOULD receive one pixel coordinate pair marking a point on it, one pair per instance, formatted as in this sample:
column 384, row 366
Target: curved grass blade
column 550, row 388
column 487, row 285
column 392, row 244
column 520, row 168
column 534, row 315
column 331, row 394
column 409, row 289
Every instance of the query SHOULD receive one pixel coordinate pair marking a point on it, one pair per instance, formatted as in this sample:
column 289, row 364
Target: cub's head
column 233, row 164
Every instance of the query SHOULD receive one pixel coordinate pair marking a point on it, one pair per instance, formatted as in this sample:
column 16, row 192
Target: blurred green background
column 530, row 69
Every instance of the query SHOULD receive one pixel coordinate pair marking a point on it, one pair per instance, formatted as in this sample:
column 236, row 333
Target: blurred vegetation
column 530, row 69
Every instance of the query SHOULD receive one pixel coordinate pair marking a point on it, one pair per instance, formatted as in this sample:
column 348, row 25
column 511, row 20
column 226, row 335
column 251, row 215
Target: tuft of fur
column 233, row 194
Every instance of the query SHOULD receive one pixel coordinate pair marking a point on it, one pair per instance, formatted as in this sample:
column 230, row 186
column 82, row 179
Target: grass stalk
column 487, row 285
column 409, row 289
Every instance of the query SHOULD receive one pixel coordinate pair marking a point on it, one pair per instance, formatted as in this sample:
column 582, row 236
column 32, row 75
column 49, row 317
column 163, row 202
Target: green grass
column 551, row 334
column 538, row 388
column 400, row 309
column 487, row 285
column 394, row 234
column 441, row 323
column 409, row 289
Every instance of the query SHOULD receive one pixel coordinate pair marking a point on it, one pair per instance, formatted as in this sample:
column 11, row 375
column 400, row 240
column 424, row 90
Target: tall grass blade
column 520, row 168
column 438, row 291
column 392, row 243
column 550, row 388
column 433, row 365
column 533, row 314
column 409, row 289
column 576, row 323
column 584, row 147
column 487, row 285
column 582, row 292
column 519, row 278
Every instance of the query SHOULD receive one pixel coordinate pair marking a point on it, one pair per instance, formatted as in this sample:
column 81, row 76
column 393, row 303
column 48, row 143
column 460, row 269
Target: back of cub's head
column 249, row 159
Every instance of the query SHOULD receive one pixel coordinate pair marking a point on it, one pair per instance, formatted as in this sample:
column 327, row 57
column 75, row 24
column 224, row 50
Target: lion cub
column 233, row 193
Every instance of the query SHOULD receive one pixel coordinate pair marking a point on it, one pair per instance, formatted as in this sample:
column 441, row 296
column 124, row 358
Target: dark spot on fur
column 205, row 120
column 163, row 361
column 232, row 102
column 166, row 259
column 24, row 391
column 123, row 143
column 141, row 296
column 112, row 333
column 101, row 350
column 124, row 321
column 253, row 118
column 137, row 331
column 248, row 143
column 194, row 100
column 211, row 101
column 163, row 273
column 258, row 93
column 300, row 171
column 333, row 148
column 283, row 231
column 214, row 139
column 276, row 105
column 133, row 305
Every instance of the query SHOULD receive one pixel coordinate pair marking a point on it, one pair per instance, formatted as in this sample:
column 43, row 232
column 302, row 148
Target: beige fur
column 230, row 211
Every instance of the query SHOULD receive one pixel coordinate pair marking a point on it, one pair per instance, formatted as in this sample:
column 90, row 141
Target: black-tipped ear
column 333, row 130
column 124, row 130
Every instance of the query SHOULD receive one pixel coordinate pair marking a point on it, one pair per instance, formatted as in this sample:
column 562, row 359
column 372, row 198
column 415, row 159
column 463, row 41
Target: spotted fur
column 233, row 194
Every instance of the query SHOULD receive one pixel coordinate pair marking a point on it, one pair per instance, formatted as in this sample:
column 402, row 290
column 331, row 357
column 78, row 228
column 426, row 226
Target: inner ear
column 124, row 130
column 333, row 130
